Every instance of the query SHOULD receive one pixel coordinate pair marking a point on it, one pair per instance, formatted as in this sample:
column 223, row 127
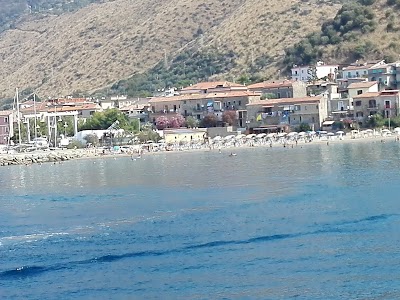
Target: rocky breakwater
column 42, row 157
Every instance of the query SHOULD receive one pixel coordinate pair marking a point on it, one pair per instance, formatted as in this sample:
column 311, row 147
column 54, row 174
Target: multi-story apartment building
column 281, row 89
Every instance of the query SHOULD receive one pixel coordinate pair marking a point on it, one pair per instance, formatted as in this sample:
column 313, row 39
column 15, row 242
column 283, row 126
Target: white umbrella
column 397, row 129
column 302, row 133
column 261, row 135
column 311, row 132
column 282, row 134
column 217, row 138
column 370, row 130
column 270, row 135
column 228, row 137
column 239, row 136
column 340, row 132
column 331, row 134
column 250, row 136
column 292, row 133
column 385, row 130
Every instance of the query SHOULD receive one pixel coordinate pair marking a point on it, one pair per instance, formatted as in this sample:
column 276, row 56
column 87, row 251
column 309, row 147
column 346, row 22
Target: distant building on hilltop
column 321, row 70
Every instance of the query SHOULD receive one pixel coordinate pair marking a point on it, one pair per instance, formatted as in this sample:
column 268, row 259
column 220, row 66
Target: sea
column 315, row 221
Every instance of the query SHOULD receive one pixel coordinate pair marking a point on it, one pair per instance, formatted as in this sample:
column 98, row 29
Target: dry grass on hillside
column 103, row 43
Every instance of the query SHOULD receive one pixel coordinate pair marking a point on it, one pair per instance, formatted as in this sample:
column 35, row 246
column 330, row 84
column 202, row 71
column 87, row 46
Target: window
column 302, row 71
column 358, row 103
column 5, row 120
column 359, row 92
column 305, row 107
column 174, row 107
column 267, row 109
column 349, row 74
column 371, row 103
column 359, row 114
column 297, row 107
column 240, row 102
column 165, row 108
column 153, row 108
column 295, row 72
column 387, row 104
column 316, row 106
column 184, row 101
column 300, row 118
column 278, row 95
column 340, row 105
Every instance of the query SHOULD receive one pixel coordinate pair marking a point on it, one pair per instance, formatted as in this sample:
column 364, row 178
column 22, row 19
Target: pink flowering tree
column 162, row 122
column 177, row 121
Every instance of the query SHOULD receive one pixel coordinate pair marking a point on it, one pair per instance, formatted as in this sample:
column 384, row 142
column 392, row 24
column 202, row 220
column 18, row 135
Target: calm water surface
column 318, row 222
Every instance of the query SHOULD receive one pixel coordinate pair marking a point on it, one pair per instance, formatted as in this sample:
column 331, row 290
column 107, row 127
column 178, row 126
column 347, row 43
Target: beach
column 61, row 155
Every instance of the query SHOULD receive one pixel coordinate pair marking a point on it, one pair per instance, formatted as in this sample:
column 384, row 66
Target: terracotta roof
column 286, row 101
column 367, row 95
column 364, row 84
column 271, row 84
column 212, row 85
column 229, row 94
column 5, row 112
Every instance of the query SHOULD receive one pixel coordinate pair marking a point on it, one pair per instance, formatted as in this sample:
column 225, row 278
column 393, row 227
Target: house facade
column 385, row 103
column 288, row 111
column 304, row 73
column 358, row 70
column 199, row 105
column 358, row 88
column 6, row 126
column 385, row 75
column 281, row 89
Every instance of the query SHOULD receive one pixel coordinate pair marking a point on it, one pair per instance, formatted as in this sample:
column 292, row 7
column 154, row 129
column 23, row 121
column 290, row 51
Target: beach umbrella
column 340, row 132
column 261, row 135
column 239, row 137
column 311, row 132
column 292, row 133
column 217, row 138
column 282, row 134
column 385, row 130
column 397, row 129
column 369, row 130
column 228, row 137
column 331, row 134
column 302, row 133
column 250, row 136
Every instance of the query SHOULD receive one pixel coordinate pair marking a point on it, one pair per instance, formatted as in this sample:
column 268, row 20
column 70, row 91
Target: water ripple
column 27, row 271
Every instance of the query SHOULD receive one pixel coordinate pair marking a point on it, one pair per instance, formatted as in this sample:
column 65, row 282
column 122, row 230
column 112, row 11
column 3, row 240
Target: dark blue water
column 318, row 222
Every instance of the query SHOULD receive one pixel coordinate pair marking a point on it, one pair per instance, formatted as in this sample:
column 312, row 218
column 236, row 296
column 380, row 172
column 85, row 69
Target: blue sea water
column 312, row 222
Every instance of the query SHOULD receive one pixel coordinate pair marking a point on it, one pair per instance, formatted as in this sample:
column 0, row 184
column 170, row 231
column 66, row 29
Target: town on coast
column 319, row 103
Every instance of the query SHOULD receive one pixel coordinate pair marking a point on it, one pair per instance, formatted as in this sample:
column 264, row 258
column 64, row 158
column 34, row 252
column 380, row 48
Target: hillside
column 137, row 46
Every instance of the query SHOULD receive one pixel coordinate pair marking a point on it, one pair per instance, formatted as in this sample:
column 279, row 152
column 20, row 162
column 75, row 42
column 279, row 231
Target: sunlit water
column 314, row 222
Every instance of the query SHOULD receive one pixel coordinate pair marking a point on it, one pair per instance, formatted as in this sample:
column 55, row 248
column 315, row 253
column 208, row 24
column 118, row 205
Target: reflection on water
column 305, row 222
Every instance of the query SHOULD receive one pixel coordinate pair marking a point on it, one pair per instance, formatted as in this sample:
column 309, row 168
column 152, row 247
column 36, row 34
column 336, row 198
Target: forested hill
column 137, row 47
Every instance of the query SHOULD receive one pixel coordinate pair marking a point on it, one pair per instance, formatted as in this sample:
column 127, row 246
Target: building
column 305, row 73
column 281, row 89
column 357, row 70
column 199, row 105
column 287, row 111
column 358, row 88
column 385, row 103
column 213, row 87
column 139, row 110
column 184, row 135
column 119, row 102
column 385, row 75
column 340, row 106
column 6, row 126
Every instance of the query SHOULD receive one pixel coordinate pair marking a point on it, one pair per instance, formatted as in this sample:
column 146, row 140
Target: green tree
column 192, row 122
column 209, row 120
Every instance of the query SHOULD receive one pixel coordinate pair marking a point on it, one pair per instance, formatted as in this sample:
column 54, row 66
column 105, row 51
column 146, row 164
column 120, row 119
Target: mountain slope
column 169, row 42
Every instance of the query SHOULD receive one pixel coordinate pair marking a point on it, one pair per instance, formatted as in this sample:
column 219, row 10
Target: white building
column 304, row 73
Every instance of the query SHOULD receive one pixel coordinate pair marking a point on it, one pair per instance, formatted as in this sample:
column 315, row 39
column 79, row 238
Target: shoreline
column 59, row 156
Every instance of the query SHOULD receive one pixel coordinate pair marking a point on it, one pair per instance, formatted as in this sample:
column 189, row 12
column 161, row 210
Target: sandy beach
column 59, row 156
